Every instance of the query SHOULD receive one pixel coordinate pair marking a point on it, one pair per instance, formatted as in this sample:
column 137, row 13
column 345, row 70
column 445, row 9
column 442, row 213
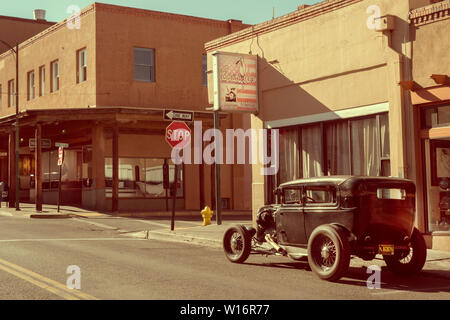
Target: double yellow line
column 45, row 283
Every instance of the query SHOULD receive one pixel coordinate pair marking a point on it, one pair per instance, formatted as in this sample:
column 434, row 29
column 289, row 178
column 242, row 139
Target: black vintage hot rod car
column 329, row 219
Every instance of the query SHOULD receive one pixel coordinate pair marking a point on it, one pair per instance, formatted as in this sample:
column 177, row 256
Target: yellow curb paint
column 58, row 288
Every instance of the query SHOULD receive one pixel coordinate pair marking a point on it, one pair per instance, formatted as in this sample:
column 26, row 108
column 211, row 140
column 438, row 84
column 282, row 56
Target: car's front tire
column 328, row 252
column 237, row 244
column 411, row 263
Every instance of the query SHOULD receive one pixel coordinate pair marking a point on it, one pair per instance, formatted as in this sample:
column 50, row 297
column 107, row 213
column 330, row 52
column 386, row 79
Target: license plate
column 386, row 249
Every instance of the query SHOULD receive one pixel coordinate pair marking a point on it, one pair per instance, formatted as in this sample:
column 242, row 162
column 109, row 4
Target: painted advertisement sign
column 235, row 82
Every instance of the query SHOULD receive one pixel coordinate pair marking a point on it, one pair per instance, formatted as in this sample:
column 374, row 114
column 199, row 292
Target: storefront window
column 365, row 147
column 289, row 155
column 355, row 146
column 312, row 151
column 338, row 148
column 436, row 153
column 438, row 116
column 50, row 169
column 143, row 178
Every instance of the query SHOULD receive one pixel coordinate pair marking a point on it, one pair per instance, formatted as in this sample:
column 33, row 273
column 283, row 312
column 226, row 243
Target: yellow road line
column 42, row 285
column 51, row 285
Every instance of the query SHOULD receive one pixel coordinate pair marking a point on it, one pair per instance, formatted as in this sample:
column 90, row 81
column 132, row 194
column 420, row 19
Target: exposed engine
column 265, row 220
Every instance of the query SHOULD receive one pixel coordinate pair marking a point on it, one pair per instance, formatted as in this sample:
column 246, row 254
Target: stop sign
column 178, row 134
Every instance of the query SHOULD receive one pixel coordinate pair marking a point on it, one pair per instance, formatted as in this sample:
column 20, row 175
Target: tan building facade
column 333, row 78
column 101, row 84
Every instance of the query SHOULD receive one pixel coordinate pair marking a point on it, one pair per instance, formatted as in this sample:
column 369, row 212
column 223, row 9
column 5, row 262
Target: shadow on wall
column 283, row 98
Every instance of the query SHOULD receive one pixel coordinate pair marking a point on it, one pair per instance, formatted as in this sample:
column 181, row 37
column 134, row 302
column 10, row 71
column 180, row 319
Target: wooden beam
column 38, row 168
column 12, row 169
column 115, row 169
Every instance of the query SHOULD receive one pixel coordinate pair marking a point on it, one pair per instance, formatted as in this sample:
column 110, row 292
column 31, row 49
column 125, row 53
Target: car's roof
column 340, row 179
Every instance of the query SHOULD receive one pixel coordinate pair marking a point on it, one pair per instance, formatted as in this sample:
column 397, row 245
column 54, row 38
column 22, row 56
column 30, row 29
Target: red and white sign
column 60, row 156
column 178, row 134
column 235, row 82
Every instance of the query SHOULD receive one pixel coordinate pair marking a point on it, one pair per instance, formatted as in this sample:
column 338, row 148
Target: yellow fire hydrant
column 207, row 214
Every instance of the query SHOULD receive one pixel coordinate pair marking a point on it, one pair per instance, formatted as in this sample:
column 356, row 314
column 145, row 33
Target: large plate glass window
column 143, row 178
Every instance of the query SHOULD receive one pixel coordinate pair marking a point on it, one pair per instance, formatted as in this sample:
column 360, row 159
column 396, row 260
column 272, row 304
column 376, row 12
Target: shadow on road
column 425, row 282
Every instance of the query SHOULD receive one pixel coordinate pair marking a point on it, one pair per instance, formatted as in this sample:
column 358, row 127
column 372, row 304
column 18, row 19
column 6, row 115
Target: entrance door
column 290, row 221
column 435, row 135
column 437, row 152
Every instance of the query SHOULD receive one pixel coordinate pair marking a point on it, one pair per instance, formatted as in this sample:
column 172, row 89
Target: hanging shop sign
column 235, row 82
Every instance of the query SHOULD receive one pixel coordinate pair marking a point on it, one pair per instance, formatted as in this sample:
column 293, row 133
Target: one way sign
column 174, row 115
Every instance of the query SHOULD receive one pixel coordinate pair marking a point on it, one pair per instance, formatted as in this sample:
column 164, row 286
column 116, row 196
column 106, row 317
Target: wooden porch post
column 38, row 167
column 115, row 169
column 12, row 169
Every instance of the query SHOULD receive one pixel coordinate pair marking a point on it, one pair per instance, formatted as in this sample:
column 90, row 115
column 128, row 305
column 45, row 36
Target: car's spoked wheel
column 407, row 257
column 412, row 261
column 327, row 249
column 328, row 252
column 237, row 244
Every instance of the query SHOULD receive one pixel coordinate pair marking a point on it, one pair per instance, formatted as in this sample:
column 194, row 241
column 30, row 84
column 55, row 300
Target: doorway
column 435, row 123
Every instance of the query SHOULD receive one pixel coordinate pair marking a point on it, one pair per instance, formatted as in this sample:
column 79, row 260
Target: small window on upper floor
column 11, row 93
column 144, row 64
column 30, row 81
column 81, row 65
column 204, row 70
column 42, row 81
column 54, row 69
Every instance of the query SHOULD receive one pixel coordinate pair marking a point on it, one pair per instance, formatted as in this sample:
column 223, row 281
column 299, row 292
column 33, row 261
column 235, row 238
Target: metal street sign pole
column 174, row 197
column 17, row 131
column 60, row 174
column 217, row 171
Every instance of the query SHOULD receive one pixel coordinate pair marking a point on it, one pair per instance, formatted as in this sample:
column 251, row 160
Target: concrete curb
column 164, row 236
column 51, row 216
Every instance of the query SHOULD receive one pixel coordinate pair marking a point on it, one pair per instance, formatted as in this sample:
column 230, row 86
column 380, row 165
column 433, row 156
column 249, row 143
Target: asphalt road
column 35, row 255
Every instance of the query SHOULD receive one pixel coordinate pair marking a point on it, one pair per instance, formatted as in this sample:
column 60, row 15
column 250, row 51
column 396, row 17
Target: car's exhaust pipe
column 275, row 245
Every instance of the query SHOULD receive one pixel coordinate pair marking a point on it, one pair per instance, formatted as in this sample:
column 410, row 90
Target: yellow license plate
column 386, row 249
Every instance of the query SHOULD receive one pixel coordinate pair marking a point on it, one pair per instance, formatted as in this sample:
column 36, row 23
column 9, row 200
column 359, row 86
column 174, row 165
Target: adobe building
column 16, row 30
column 100, row 83
column 355, row 87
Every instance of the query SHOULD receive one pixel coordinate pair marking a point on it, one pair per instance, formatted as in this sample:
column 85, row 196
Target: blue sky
column 249, row 11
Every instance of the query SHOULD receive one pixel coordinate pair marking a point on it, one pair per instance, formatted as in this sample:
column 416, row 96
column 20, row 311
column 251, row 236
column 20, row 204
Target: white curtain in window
column 289, row 155
column 312, row 151
column 338, row 149
column 365, row 147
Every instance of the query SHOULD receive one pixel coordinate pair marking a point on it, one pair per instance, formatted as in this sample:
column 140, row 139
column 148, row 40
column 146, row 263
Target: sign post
column 178, row 135
column 60, row 163
column 235, row 82
column 217, row 172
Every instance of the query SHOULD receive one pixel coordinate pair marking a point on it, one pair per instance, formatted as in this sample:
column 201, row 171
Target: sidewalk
column 27, row 210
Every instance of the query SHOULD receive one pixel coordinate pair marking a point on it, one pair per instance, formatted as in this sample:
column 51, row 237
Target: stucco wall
column 329, row 62
column 61, row 44
column 431, row 51
column 179, row 44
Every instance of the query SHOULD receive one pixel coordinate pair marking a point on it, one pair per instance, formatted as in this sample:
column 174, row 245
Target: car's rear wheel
column 237, row 244
column 410, row 262
column 328, row 252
